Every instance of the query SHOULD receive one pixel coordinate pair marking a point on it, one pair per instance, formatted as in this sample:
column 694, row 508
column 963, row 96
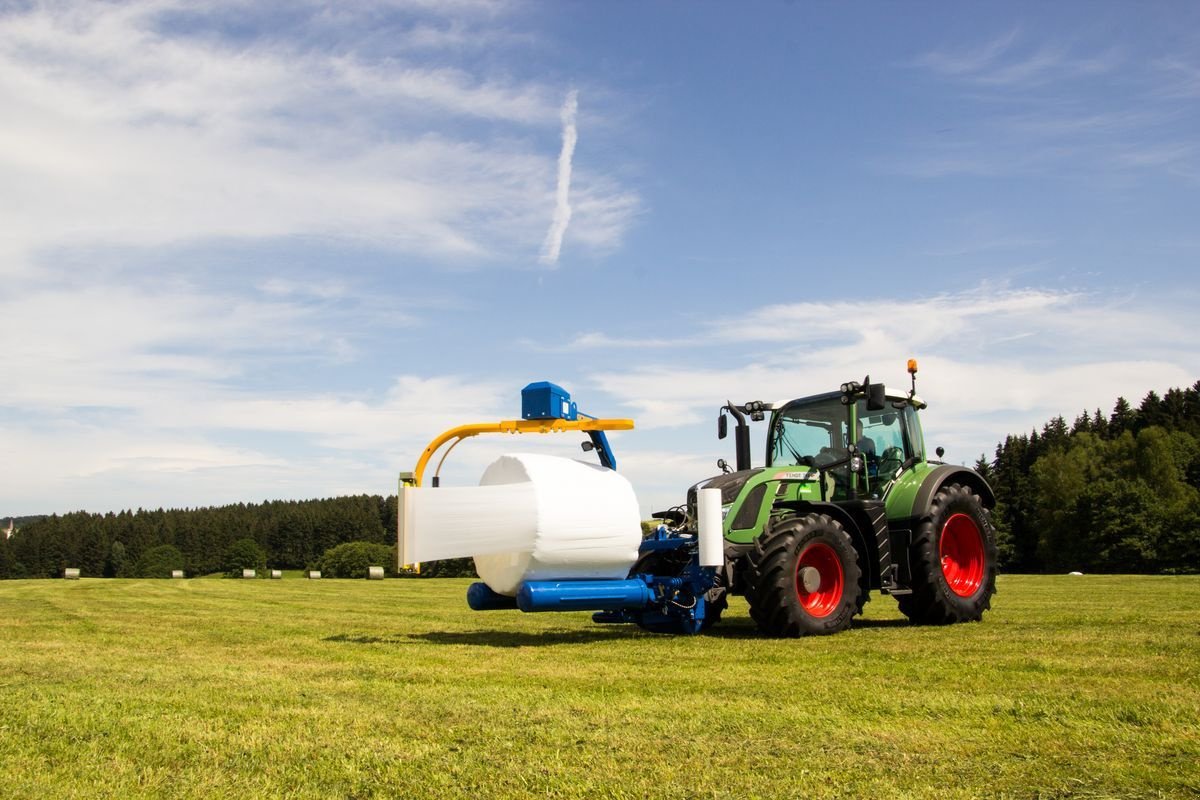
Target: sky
column 268, row 250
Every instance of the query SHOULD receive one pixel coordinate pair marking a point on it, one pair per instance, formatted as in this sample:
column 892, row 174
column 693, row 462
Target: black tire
column 779, row 601
column 953, row 558
column 671, row 563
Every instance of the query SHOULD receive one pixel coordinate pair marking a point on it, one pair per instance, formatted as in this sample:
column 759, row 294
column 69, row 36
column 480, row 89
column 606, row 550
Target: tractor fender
column 950, row 473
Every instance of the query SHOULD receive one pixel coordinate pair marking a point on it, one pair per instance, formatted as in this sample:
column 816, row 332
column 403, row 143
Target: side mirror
column 587, row 446
column 722, row 426
column 876, row 397
column 941, row 451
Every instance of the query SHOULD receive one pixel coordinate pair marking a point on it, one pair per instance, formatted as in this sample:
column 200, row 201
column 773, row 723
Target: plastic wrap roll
column 533, row 517
column 712, row 542
column 586, row 523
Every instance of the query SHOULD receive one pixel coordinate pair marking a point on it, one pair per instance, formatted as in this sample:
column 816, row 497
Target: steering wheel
column 890, row 461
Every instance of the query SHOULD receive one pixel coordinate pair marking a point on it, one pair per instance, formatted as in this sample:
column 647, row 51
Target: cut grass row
column 1084, row 687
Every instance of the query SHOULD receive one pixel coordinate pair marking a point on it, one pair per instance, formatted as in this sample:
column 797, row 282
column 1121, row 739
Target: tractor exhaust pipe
column 741, row 437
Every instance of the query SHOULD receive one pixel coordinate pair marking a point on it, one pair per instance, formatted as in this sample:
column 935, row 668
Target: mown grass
column 1073, row 687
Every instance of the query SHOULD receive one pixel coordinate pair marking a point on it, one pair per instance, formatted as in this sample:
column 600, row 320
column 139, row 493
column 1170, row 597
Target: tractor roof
column 812, row 398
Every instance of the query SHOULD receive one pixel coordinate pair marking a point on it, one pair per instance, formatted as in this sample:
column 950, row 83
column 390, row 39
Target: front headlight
column 725, row 510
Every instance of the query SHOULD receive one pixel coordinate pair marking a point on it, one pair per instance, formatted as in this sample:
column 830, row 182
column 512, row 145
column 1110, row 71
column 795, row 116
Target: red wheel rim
column 961, row 550
column 824, row 559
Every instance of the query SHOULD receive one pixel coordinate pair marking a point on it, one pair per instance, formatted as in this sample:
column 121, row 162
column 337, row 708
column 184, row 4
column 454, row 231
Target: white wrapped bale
column 314, row 574
column 276, row 574
column 71, row 574
column 374, row 573
column 176, row 573
column 533, row 517
column 248, row 573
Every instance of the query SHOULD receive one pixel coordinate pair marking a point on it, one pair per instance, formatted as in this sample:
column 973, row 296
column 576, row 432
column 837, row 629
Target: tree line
column 1107, row 493
column 290, row 534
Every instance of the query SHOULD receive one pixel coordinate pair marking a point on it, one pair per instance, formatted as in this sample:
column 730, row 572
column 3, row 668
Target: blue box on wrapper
column 546, row 400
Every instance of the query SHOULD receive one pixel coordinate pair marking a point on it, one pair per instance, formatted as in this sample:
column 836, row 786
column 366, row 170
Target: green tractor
column 846, row 503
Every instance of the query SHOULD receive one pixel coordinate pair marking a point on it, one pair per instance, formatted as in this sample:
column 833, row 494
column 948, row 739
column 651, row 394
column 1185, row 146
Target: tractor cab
column 827, row 432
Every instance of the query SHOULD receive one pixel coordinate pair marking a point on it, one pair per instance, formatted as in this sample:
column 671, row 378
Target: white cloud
column 121, row 131
column 562, row 196
column 1048, row 107
column 1010, row 61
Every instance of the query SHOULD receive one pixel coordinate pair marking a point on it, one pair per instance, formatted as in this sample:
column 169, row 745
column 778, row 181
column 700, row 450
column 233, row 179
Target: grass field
column 1079, row 687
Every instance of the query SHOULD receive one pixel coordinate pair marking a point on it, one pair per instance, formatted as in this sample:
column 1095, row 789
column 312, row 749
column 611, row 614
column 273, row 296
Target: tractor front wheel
column 953, row 557
column 804, row 578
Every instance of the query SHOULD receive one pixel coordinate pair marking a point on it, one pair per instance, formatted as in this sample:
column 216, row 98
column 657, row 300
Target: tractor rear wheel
column 804, row 578
column 671, row 563
column 953, row 557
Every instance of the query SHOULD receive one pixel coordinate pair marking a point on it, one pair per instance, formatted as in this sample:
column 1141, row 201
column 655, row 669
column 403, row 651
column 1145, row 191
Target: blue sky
column 268, row 250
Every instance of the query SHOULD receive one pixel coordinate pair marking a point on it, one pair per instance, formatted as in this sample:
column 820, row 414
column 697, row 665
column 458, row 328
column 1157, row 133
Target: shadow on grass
column 739, row 629
column 585, row 635
column 488, row 638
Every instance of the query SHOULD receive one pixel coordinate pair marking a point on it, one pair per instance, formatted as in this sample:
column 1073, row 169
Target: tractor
column 847, row 502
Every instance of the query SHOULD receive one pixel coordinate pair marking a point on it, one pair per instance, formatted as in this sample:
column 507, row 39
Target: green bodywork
column 793, row 484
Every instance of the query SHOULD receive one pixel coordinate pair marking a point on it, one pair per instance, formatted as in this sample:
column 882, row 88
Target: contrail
column 562, row 204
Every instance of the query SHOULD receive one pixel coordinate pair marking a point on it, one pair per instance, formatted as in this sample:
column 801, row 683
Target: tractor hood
column 730, row 485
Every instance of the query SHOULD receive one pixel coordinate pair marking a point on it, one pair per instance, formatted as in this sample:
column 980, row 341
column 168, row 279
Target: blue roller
column 584, row 595
column 480, row 597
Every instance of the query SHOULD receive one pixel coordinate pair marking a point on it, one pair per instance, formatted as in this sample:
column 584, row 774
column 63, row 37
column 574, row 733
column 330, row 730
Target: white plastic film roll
column 712, row 542
column 533, row 517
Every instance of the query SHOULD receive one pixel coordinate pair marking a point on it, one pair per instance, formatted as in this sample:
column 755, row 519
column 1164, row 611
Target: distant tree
column 118, row 561
column 350, row 560
column 244, row 554
column 1117, row 523
column 1179, row 542
column 6, row 559
column 1174, row 408
column 1058, row 480
column 92, row 548
column 1150, row 412
column 1122, row 419
column 1100, row 425
column 1083, row 423
column 447, row 568
column 1055, row 434
column 158, row 562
